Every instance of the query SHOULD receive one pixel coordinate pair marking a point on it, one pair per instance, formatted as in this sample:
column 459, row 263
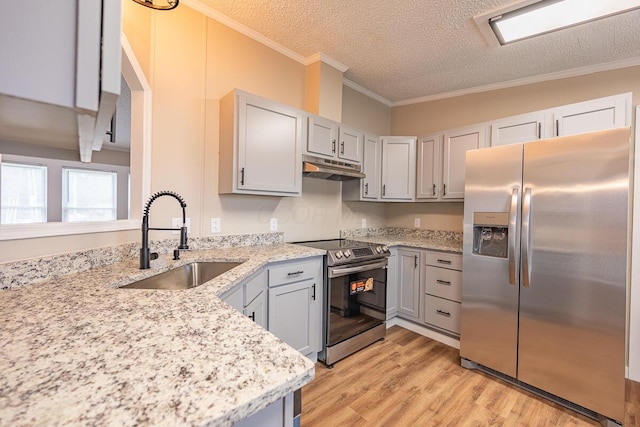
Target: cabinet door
column 322, row 136
column 269, row 156
column 392, row 284
column 409, row 283
column 428, row 172
column 456, row 144
column 350, row 144
column 590, row 116
column 256, row 310
column 371, row 164
column 235, row 298
column 522, row 128
column 398, row 168
column 293, row 315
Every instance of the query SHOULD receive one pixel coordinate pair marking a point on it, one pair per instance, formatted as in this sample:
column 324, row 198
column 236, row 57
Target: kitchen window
column 23, row 190
column 88, row 195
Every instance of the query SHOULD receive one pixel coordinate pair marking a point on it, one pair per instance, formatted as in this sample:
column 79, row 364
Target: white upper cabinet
column 332, row 140
column 350, row 144
column 260, row 146
column 516, row 129
column 322, row 136
column 456, row 144
column 367, row 189
column 398, row 168
column 589, row 116
column 429, row 172
column 61, row 64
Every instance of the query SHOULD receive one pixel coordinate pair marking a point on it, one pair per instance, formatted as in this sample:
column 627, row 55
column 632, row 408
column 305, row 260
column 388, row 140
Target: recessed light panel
column 551, row 15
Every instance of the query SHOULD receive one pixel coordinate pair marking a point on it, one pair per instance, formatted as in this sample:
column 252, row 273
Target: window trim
column 141, row 102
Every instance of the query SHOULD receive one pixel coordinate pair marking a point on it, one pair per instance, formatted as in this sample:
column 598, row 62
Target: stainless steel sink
column 184, row 277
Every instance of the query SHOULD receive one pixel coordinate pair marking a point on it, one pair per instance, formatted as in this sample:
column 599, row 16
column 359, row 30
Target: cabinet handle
column 415, row 261
column 434, row 190
column 443, row 282
column 342, row 147
column 539, row 130
column 557, row 127
column 253, row 316
column 443, row 313
column 384, row 189
column 366, row 188
column 444, row 189
column 333, row 146
column 242, row 176
column 444, row 261
column 314, row 292
column 295, row 273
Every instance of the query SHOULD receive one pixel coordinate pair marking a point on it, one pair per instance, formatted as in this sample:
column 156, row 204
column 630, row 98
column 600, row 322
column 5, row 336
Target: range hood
column 317, row 167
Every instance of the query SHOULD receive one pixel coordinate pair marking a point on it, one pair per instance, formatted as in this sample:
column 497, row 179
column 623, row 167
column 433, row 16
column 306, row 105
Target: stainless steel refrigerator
column 545, row 267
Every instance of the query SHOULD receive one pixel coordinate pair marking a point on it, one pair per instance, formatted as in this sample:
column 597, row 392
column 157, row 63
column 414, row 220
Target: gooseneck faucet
column 145, row 255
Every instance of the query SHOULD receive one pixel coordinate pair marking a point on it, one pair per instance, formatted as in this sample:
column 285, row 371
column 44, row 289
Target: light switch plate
column 216, row 227
column 416, row 222
column 274, row 224
column 364, row 222
column 177, row 223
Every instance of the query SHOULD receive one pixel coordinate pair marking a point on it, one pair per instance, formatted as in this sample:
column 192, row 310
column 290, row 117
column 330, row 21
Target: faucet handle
column 183, row 238
column 153, row 255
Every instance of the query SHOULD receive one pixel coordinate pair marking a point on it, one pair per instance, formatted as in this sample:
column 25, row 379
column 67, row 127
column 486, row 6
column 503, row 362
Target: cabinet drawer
column 442, row 313
column 446, row 260
column 294, row 272
column 444, row 283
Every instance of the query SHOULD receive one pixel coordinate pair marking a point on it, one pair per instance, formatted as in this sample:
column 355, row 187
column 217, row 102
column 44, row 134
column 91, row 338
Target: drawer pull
column 444, row 261
column 295, row 273
column 443, row 313
column 253, row 316
column 443, row 282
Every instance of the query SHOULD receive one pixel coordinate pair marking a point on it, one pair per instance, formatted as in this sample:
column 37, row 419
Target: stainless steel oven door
column 356, row 299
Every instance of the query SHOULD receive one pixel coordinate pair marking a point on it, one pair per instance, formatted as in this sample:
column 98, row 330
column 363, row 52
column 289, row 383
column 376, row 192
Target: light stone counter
column 75, row 350
column 416, row 238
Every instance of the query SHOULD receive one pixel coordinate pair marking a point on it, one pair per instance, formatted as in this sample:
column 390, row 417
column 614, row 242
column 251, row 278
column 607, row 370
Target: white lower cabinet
column 278, row 414
column 408, row 282
column 295, row 304
column 392, row 284
column 249, row 298
column 443, row 290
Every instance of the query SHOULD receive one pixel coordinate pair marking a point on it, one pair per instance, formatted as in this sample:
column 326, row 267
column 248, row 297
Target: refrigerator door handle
column 526, row 220
column 513, row 217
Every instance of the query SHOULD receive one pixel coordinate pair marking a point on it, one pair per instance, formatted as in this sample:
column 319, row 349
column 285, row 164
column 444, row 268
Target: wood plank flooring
column 411, row 380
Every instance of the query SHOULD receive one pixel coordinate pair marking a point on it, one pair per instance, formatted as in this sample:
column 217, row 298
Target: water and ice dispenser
column 491, row 234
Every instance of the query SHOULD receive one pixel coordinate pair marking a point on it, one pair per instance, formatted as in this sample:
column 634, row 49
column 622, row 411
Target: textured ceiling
column 405, row 49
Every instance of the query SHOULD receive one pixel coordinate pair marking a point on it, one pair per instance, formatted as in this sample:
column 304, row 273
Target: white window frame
column 66, row 170
column 44, row 189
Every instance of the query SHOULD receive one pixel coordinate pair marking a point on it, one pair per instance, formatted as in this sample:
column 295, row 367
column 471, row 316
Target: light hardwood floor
column 411, row 380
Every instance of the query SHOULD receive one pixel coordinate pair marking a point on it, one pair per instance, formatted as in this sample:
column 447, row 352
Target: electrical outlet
column 274, row 224
column 364, row 222
column 215, row 225
column 177, row 223
column 416, row 222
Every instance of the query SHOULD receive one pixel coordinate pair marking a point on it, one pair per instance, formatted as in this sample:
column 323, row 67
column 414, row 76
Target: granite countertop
column 435, row 243
column 77, row 351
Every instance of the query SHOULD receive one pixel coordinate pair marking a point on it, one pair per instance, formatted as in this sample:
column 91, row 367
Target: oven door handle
column 343, row 271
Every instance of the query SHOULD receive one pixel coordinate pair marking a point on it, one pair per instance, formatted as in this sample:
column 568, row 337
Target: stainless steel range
column 355, row 296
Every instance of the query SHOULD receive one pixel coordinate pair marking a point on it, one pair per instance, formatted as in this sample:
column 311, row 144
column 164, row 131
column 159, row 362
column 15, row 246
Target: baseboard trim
column 424, row 331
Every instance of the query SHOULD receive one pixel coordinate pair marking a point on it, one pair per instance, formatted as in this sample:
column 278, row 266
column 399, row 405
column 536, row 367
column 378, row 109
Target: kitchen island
column 76, row 350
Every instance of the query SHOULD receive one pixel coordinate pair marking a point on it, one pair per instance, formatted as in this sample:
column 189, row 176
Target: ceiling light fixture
column 159, row 4
column 551, row 15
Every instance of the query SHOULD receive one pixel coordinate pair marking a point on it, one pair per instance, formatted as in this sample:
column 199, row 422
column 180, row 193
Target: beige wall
column 365, row 113
column 427, row 117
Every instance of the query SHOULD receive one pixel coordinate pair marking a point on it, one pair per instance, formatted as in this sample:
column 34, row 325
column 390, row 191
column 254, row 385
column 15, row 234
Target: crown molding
column 243, row 29
column 367, row 92
column 575, row 72
column 327, row 60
